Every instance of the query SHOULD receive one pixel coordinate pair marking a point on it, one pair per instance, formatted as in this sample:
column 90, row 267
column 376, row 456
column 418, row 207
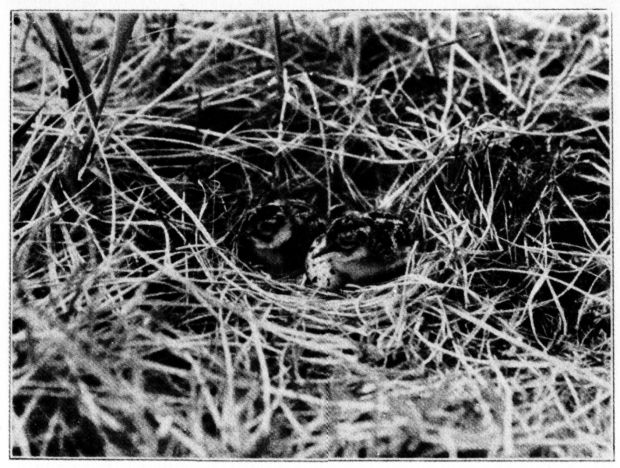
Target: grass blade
column 68, row 47
column 122, row 35
column 20, row 133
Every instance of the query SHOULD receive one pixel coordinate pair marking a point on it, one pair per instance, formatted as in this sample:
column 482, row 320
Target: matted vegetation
column 138, row 332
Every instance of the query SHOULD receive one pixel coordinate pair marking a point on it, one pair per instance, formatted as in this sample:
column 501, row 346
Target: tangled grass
column 138, row 333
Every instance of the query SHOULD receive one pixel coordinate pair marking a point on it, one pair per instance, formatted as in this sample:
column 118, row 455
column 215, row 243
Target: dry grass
column 137, row 332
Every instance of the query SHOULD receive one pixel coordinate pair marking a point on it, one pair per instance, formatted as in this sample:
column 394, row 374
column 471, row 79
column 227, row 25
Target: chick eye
column 268, row 224
column 348, row 239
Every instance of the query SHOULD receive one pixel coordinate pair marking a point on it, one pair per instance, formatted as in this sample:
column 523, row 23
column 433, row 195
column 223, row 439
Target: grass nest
column 137, row 332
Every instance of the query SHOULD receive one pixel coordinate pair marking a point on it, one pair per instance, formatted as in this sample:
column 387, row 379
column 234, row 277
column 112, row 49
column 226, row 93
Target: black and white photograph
column 310, row 235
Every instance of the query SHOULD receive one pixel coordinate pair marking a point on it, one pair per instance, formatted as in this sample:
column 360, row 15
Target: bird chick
column 359, row 248
column 276, row 235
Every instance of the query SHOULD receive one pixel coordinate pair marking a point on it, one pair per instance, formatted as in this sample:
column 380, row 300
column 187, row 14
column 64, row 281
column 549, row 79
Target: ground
column 136, row 329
